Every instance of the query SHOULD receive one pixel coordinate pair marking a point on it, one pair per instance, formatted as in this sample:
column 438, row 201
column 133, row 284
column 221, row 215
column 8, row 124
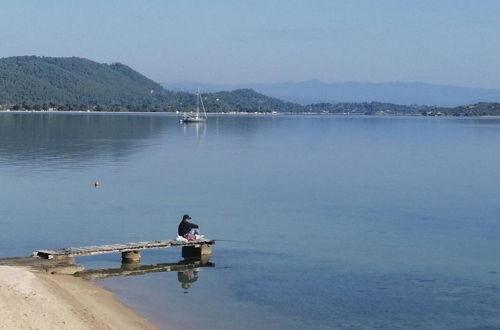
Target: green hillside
column 479, row 109
column 37, row 83
column 72, row 80
column 31, row 82
column 366, row 108
column 247, row 100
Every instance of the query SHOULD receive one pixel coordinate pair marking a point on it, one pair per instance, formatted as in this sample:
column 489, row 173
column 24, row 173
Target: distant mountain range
column 316, row 91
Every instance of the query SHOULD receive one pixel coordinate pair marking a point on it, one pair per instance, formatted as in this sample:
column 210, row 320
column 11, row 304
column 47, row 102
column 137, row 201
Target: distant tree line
column 78, row 84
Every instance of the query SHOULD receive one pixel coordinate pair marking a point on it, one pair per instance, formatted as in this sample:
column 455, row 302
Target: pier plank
column 117, row 248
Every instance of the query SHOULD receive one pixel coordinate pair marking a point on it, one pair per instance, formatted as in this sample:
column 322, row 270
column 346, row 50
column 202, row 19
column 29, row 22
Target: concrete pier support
column 131, row 256
column 196, row 251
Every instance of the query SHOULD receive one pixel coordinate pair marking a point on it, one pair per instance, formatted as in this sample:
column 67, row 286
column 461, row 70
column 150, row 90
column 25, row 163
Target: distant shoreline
column 169, row 113
column 80, row 84
column 141, row 112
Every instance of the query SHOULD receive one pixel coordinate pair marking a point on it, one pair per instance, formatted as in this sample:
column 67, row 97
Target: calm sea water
column 323, row 221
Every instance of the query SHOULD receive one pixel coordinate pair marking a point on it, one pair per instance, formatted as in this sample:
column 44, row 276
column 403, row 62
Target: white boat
column 196, row 118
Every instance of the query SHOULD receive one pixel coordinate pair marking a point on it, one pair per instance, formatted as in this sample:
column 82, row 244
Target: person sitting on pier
column 187, row 229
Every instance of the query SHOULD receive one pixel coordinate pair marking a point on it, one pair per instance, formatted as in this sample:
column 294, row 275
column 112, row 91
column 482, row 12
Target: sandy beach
column 31, row 299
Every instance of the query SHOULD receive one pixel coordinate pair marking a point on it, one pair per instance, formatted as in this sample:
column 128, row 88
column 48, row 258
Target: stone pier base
column 196, row 252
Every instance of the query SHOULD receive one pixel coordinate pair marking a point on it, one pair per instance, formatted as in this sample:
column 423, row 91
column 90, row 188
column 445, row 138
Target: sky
column 455, row 42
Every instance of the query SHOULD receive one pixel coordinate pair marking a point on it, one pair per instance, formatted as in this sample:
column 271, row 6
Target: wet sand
column 36, row 299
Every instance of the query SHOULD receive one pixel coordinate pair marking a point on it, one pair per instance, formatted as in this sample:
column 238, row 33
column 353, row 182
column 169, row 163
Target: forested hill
column 32, row 82
column 247, row 100
column 39, row 83
column 39, row 80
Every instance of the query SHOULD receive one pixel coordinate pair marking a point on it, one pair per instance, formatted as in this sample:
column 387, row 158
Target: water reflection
column 189, row 267
column 197, row 130
column 67, row 140
column 62, row 139
column 187, row 277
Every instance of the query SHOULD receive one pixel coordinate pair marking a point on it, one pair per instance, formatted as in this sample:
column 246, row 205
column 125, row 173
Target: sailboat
column 196, row 118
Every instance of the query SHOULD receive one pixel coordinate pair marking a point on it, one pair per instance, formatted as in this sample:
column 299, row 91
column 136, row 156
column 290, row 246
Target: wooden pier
column 130, row 251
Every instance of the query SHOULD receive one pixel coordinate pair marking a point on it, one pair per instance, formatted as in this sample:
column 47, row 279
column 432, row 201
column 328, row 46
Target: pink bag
column 190, row 237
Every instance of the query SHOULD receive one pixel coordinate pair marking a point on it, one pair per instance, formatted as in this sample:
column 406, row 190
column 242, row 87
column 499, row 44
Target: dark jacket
column 185, row 227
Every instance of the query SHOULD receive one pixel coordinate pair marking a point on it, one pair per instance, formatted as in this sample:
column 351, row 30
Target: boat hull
column 193, row 120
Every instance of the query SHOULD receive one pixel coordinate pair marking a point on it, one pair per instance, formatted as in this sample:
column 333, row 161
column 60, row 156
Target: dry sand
column 36, row 300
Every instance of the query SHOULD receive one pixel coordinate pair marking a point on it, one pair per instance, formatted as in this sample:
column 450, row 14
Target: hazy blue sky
column 233, row 41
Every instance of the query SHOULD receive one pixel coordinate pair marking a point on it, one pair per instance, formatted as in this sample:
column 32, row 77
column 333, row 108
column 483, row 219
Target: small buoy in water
column 97, row 184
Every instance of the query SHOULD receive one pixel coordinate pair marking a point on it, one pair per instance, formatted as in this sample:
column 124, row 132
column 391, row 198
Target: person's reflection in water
column 187, row 277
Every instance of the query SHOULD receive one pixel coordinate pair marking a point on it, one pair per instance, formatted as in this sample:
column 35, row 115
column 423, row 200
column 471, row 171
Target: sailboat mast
column 203, row 106
column 198, row 104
